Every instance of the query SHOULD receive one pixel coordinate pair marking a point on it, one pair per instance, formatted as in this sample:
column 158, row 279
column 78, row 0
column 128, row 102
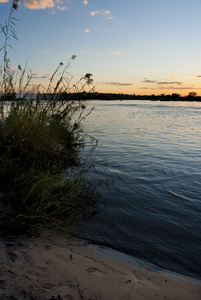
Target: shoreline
column 53, row 266
column 137, row 262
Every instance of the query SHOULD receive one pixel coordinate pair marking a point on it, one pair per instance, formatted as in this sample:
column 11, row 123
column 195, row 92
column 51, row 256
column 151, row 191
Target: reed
column 41, row 143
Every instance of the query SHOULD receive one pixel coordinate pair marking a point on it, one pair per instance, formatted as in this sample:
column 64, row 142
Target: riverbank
column 51, row 266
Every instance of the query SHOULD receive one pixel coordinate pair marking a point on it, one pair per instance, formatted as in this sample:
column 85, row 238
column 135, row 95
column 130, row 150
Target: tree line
column 192, row 96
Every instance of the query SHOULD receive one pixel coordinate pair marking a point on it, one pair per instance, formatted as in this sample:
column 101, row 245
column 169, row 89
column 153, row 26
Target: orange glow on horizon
column 133, row 89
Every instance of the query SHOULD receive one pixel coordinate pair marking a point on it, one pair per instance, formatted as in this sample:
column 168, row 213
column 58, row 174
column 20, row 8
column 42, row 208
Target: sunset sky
column 130, row 46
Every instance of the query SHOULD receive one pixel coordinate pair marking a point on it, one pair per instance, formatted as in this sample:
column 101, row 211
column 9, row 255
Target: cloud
column 87, row 30
column 170, row 82
column 93, row 13
column 39, row 4
column 169, row 85
column 171, row 88
column 85, row 2
column 149, row 81
column 41, row 77
column 103, row 12
column 61, row 8
column 117, row 83
column 4, row 1
column 107, row 12
column 37, row 75
column 162, row 82
column 45, row 77
column 116, row 53
column 198, row 76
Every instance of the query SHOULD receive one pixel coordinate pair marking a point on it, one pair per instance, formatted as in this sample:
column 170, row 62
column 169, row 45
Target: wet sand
column 53, row 266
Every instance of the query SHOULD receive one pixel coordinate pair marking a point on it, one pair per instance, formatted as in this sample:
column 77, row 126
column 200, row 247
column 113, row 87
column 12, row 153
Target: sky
column 130, row 46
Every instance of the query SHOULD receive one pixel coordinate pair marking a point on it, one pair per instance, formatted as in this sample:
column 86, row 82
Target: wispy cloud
column 39, row 4
column 116, row 83
column 61, row 8
column 38, row 76
column 170, row 82
column 102, row 12
column 149, row 81
column 108, row 13
column 116, row 53
column 174, row 88
column 85, row 2
column 162, row 82
column 198, row 76
column 87, row 30
column 168, row 85
column 171, row 87
column 93, row 13
column 4, row 1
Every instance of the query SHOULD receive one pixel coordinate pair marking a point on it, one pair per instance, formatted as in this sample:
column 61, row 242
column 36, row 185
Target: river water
column 148, row 169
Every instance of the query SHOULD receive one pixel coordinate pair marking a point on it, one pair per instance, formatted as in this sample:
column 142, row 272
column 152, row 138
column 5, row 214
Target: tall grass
column 41, row 138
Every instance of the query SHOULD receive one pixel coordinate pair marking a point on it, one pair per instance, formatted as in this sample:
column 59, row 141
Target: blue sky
column 130, row 46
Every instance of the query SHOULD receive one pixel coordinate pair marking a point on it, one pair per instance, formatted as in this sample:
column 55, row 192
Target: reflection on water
column 151, row 183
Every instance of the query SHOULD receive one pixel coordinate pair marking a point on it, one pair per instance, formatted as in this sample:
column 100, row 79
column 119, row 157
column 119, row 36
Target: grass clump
column 41, row 138
column 39, row 147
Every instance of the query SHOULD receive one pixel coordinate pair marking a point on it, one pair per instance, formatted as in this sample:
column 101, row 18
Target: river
column 148, row 170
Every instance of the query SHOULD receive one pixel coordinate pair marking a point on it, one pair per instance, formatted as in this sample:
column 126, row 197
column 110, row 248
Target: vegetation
column 192, row 96
column 41, row 138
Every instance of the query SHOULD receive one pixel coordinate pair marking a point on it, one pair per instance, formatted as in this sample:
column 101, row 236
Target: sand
column 52, row 266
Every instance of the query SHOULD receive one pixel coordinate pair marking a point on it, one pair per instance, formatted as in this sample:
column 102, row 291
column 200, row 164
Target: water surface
column 150, row 182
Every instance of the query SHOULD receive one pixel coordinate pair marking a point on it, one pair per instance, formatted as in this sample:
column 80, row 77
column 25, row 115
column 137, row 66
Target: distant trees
column 175, row 95
column 192, row 94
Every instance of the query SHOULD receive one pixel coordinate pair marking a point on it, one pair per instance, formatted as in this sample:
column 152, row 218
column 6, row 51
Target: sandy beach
column 53, row 266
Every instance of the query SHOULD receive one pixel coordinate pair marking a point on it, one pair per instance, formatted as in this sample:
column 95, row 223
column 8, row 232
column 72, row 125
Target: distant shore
column 51, row 266
column 114, row 96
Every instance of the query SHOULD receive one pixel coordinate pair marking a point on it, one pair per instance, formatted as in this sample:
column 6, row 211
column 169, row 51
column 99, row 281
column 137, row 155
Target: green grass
column 39, row 147
column 41, row 144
